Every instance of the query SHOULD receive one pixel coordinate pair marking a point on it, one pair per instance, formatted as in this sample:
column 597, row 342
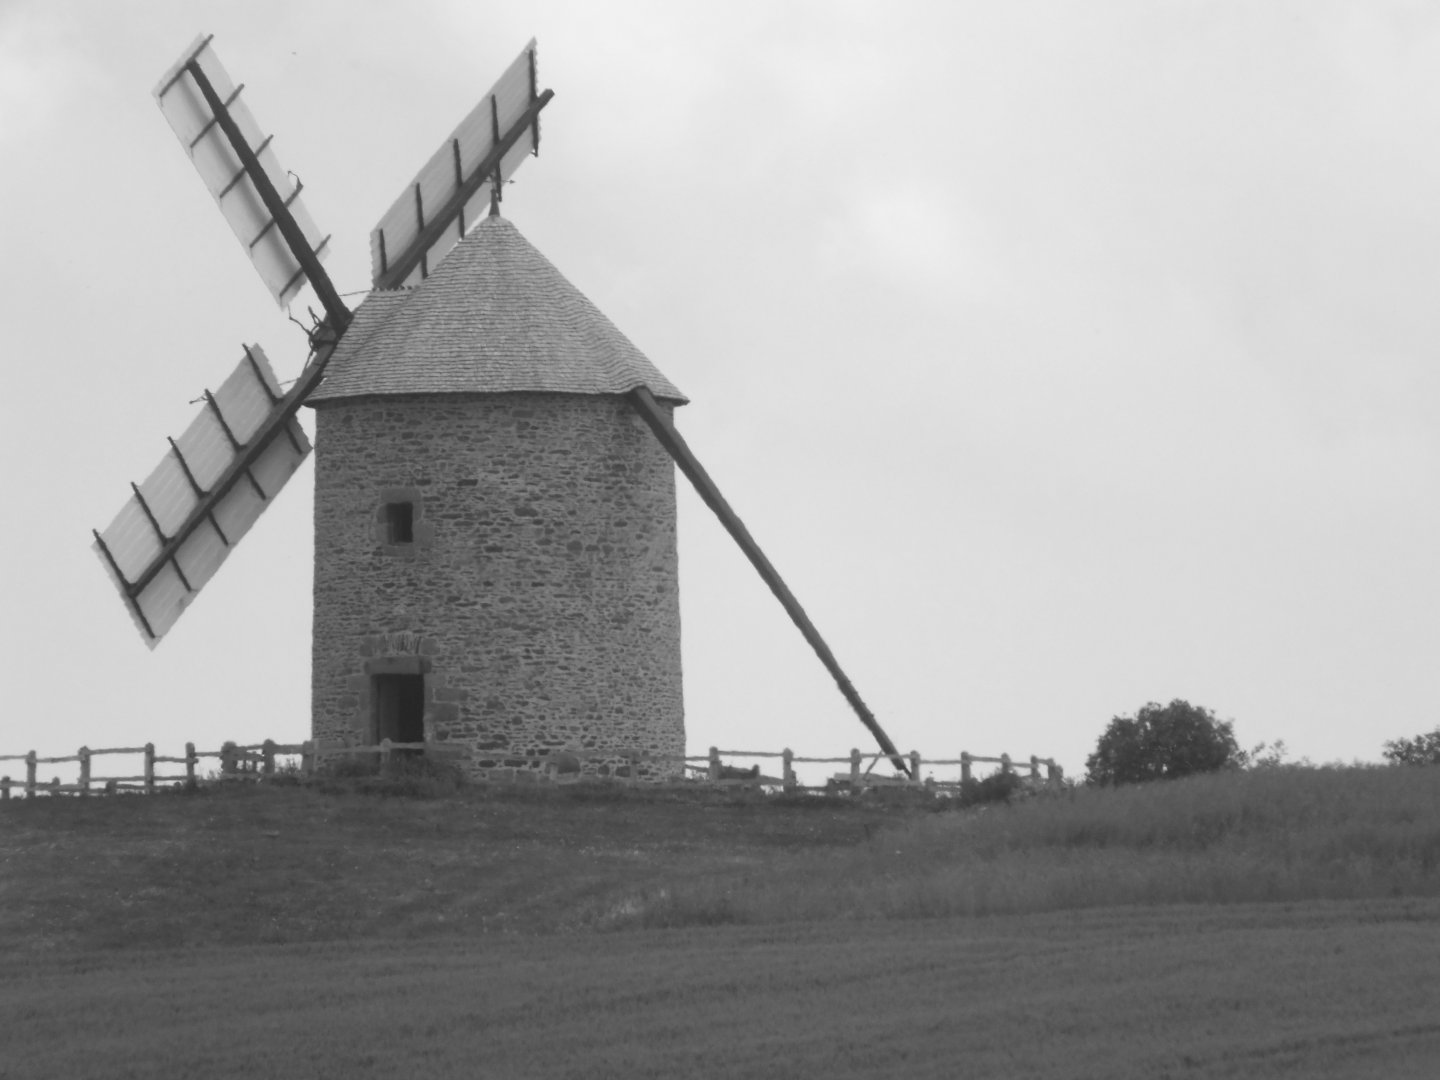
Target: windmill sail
column 192, row 113
column 441, row 204
column 178, row 526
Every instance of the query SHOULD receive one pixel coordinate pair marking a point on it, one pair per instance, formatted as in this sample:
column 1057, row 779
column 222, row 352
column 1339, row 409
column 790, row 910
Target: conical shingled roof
column 495, row 317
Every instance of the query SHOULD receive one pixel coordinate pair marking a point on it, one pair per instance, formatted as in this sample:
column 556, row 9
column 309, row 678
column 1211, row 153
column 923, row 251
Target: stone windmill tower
column 495, row 549
column 495, row 559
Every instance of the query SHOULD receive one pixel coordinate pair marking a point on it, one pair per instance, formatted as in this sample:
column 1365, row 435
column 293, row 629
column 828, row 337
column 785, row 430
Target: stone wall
column 537, row 593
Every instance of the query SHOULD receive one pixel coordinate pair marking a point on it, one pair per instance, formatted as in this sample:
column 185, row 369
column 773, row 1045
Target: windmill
column 495, row 542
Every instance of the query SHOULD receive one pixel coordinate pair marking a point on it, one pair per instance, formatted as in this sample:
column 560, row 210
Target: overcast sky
column 1062, row 356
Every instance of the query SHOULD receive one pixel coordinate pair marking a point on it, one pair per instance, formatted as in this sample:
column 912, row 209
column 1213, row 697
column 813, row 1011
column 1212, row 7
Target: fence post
column 191, row 759
column 854, row 770
column 1055, row 772
column 149, row 768
column 307, row 757
column 30, row 775
column 267, row 750
column 227, row 759
column 714, row 763
column 84, row 756
column 787, row 766
column 1006, row 765
column 965, row 775
column 54, row 786
column 384, row 755
column 4, row 788
column 1034, row 767
column 915, row 767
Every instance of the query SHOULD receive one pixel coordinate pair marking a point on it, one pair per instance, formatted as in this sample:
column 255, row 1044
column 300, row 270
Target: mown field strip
column 1316, row 990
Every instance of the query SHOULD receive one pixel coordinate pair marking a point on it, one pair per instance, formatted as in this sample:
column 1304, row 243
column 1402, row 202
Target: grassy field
column 1284, row 923
column 287, row 864
column 1284, row 834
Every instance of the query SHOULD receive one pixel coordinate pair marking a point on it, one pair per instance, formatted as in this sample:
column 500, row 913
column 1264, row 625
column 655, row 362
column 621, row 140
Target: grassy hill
column 1264, row 924
column 1286, row 834
column 234, row 865
column 278, row 863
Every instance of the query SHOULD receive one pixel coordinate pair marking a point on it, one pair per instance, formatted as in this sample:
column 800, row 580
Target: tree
column 1421, row 750
column 1162, row 742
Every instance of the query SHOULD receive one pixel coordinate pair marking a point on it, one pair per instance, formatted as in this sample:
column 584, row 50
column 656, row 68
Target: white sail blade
column 160, row 567
column 437, row 192
column 194, row 123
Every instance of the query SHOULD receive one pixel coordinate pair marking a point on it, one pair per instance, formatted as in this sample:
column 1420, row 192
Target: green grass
column 1277, row 923
column 288, row 864
column 1283, row 834
column 293, row 864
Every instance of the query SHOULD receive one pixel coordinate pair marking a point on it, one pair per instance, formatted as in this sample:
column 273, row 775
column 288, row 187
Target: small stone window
column 399, row 522
column 399, row 519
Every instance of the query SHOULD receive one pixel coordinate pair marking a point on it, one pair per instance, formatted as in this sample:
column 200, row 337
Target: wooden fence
column 88, row 781
column 261, row 760
column 232, row 760
column 859, row 775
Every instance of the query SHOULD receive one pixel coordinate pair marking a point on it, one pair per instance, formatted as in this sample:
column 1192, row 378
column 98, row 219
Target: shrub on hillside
column 1420, row 750
column 1162, row 742
column 999, row 787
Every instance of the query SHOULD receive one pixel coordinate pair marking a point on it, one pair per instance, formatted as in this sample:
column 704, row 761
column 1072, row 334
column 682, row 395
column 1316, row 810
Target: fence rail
column 859, row 776
column 258, row 761
column 88, row 782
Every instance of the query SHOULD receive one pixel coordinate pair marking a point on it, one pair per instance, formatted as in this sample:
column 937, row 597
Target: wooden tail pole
column 671, row 439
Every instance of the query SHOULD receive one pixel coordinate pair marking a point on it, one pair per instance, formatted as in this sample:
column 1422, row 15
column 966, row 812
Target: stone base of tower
column 497, row 572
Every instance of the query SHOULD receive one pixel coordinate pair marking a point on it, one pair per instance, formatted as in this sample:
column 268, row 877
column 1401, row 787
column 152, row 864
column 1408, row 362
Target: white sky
column 1062, row 356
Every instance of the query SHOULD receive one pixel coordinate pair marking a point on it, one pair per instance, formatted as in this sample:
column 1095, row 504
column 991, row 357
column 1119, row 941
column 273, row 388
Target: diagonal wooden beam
column 659, row 423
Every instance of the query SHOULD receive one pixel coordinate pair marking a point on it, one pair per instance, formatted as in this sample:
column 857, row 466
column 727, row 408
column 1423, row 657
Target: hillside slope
column 281, row 863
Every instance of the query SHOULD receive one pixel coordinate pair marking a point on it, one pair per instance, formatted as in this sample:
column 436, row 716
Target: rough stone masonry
column 538, row 594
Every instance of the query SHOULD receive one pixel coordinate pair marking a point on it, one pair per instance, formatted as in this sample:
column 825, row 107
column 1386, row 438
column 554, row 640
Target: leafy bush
column 999, row 787
column 1420, row 750
column 1162, row 743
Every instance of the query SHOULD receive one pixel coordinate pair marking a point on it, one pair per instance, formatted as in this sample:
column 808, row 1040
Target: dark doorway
column 399, row 707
